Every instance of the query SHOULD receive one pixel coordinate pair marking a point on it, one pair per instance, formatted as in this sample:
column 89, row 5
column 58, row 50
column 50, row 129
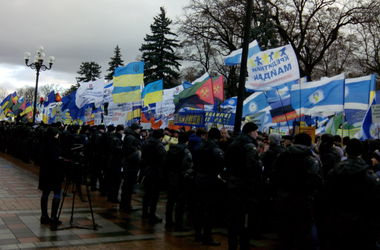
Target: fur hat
column 275, row 138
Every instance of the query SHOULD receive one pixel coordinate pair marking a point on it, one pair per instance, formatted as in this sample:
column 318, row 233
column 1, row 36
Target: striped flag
column 128, row 82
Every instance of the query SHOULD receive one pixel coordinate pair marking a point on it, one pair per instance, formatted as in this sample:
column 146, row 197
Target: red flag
column 23, row 105
column 58, row 97
column 205, row 92
column 218, row 88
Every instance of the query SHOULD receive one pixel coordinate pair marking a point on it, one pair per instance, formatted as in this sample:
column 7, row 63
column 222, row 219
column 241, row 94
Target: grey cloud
column 75, row 31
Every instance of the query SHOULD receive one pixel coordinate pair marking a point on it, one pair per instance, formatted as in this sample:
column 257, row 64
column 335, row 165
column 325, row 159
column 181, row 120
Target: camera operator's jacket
column 51, row 172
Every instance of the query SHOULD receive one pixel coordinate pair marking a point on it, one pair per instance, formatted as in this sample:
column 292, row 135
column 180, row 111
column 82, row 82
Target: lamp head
column 27, row 56
column 40, row 55
column 51, row 60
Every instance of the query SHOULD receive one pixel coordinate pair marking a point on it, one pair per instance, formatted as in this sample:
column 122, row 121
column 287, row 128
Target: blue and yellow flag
column 128, row 82
column 152, row 92
column 5, row 102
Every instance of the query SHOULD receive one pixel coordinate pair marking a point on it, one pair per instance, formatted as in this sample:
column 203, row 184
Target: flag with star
column 196, row 96
column 218, row 89
column 271, row 68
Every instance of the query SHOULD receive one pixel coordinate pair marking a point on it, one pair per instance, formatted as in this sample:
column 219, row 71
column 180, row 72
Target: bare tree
column 27, row 93
column 211, row 30
column 46, row 89
column 3, row 93
column 312, row 27
column 369, row 42
column 340, row 57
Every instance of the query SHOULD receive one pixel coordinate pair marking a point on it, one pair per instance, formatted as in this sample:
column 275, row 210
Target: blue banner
column 222, row 118
column 190, row 118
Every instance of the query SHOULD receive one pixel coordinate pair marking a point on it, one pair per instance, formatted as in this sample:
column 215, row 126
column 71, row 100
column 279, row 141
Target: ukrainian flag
column 28, row 109
column 152, row 92
column 128, row 82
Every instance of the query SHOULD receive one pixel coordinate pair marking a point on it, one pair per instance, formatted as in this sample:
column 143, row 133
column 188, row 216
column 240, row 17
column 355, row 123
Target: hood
column 245, row 139
column 131, row 132
column 194, row 138
column 176, row 148
column 351, row 166
column 300, row 149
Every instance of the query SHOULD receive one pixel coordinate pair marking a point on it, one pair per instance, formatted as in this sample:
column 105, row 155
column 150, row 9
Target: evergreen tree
column 158, row 52
column 88, row 71
column 115, row 62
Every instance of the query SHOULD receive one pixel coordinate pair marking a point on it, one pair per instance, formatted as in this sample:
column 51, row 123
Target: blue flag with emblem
column 229, row 105
column 257, row 102
column 357, row 92
column 325, row 96
column 369, row 129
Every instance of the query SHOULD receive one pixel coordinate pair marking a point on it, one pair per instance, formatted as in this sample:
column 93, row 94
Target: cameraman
column 50, row 176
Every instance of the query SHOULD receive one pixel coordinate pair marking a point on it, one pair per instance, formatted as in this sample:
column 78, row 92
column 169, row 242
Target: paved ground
column 20, row 227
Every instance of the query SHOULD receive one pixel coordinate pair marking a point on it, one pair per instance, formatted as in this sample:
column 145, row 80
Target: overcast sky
column 73, row 31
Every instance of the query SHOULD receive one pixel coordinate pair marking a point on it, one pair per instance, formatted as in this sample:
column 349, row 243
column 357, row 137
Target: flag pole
column 243, row 66
column 282, row 108
column 299, row 115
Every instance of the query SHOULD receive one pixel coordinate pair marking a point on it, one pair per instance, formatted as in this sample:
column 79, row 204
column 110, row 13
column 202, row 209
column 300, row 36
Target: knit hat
column 135, row 126
column 354, row 147
column 249, row 127
column 214, row 133
column 119, row 128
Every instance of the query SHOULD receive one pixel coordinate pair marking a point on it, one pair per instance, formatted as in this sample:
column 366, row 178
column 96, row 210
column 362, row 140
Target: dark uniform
column 243, row 174
column 178, row 163
column 115, row 164
column 132, row 154
column 297, row 180
column 153, row 159
column 208, row 164
column 351, row 206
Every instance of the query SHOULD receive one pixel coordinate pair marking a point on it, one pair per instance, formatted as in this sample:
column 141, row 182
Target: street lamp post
column 38, row 66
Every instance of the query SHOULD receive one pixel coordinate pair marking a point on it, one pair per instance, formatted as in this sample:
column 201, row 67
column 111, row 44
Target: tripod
column 75, row 185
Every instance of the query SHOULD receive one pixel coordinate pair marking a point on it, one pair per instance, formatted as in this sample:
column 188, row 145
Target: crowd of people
column 314, row 195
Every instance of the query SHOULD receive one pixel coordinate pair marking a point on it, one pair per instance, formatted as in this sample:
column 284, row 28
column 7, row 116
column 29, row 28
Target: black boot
column 44, row 211
column 54, row 211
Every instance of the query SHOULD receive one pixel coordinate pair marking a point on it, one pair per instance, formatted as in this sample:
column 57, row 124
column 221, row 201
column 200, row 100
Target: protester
column 352, row 203
column 297, row 180
column 132, row 155
column 243, row 174
column 178, row 165
column 208, row 164
column 329, row 153
column 153, row 159
column 115, row 164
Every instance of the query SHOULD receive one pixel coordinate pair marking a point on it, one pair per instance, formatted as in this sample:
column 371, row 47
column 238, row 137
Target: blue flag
column 357, row 92
column 369, row 130
column 229, row 105
column 234, row 58
column 325, row 96
column 257, row 102
column 50, row 98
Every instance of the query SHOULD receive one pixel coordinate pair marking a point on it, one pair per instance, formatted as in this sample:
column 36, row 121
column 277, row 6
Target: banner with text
column 271, row 68
column 221, row 118
column 190, row 118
